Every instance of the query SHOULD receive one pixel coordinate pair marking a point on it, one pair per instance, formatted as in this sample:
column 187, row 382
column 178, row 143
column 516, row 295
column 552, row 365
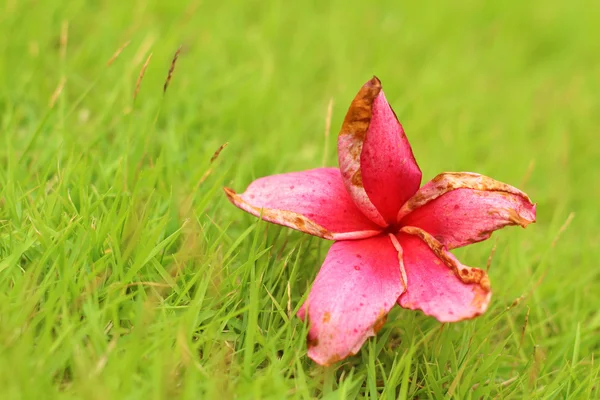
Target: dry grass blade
column 328, row 117
column 289, row 299
column 204, row 177
column 57, row 92
column 171, row 69
column 502, row 384
column 522, row 297
column 141, row 76
column 103, row 360
column 563, row 228
column 528, row 173
column 64, row 39
column 117, row 53
column 327, row 129
column 219, row 150
column 149, row 284
column 524, row 327
column 143, row 49
column 491, row 256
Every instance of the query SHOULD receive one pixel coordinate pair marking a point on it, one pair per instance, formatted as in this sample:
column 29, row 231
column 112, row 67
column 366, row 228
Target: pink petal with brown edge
column 463, row 208
column 350, row 146
column 437, row 283
column 355, row 289
column 314, row 201
column 390, row 173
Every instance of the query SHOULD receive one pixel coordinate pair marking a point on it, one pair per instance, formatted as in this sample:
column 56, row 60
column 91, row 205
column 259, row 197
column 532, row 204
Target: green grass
column 125, row 273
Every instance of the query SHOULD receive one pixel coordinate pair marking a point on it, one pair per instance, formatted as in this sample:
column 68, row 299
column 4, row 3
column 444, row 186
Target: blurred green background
column 125, row 273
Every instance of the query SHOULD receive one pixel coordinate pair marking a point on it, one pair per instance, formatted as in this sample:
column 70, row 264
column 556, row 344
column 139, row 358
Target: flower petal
column 459, row 208
column 375, row 157
column 313, row 201
column 355, row 289
column 437, row 283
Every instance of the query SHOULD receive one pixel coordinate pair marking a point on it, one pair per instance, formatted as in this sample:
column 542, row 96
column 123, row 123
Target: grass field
column 125, row 273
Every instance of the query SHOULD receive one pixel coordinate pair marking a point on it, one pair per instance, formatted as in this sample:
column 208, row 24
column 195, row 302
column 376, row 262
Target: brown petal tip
column 517, row 219
column 229, row 192
column 280, row 217
column 375, row 82
column 359, row 114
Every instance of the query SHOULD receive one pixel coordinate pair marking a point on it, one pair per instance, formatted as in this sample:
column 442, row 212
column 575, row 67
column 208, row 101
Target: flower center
column 393, row 228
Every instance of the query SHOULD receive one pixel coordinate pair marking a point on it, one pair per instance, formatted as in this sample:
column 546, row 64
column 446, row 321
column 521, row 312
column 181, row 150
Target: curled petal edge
column 449, row 181
column 468, row 275
column 294, row 220
column 350, row 145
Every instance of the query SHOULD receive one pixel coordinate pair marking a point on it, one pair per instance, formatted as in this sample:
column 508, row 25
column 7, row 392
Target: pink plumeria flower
column 391, row 238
